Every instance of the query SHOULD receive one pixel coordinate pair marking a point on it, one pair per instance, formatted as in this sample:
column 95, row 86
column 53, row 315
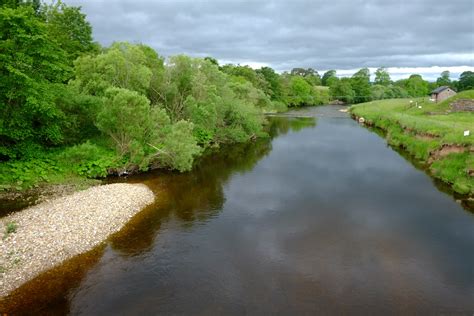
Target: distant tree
column 342, row 90
column 416, row 86
column 466, row 81
column 313, row 79
column 311, row 75
column 212, row 60
column 274, row 81
column 379, row 92
column 382, row 77
column 298, row 72
column 360, row 82
column 299, row 92
column 249, row 74
column 444, row 79
column 325, row 81
column 398, row 92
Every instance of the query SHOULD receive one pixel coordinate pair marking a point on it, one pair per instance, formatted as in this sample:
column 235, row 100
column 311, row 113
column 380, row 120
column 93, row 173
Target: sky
column 406, row 36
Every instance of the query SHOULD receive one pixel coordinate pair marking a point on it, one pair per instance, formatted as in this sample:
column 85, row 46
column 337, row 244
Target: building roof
column 439, row 89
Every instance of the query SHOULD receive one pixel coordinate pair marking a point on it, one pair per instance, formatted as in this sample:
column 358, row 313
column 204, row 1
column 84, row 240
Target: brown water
column 323, row 218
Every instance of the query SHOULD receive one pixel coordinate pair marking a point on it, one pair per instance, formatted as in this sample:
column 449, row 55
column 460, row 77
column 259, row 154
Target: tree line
column 359, row 87
column 126, row 106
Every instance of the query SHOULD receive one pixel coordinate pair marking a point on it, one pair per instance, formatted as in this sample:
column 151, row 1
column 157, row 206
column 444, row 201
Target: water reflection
column 319, row 218
column 189, row 197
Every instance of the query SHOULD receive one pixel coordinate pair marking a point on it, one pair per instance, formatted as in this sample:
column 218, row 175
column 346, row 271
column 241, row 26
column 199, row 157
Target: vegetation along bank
column 72, row 109
column 439, row 134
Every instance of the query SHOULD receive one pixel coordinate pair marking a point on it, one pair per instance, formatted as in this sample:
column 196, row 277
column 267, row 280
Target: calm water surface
column 322, row 218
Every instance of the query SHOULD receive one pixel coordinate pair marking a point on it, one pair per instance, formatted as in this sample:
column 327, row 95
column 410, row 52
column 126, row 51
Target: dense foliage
column 96, row 110
column 63, row 98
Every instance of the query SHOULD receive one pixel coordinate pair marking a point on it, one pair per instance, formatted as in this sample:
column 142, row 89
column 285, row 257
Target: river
column 322, row 218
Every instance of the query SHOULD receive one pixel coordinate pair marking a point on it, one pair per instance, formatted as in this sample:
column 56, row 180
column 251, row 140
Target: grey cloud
column 286, row 34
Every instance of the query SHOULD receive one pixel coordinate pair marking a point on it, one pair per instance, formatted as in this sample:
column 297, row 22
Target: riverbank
column 41, row 237
column 435, row 134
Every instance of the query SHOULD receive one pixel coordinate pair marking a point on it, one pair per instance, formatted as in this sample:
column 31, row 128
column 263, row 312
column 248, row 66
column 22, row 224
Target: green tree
column 179, row 147
column 327, row 77
column 444, row 79
column 382, row 77
column 122, row 65
column 29, row 63
column 34, row 4
column 466, row 81
column 416, row 86
column 247, row 73
column 360, row 83
column 274, row 81
column 69, row 27
column 299, row 92
column 342, row 90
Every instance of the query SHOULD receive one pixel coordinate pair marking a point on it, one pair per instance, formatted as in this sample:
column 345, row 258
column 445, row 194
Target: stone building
column 442, row 93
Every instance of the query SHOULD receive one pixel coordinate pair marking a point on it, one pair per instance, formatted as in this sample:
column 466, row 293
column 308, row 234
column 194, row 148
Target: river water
column 321, row 218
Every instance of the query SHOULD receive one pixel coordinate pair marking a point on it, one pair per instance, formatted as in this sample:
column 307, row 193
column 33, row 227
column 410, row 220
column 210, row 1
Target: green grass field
column 428, row 131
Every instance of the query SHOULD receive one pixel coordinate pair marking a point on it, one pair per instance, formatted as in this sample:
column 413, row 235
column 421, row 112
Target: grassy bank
column 433, row 133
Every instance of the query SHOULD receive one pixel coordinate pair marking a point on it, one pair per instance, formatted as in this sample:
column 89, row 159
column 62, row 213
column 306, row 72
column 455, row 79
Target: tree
column 360, row 83
column 34, row 4
column 328, row 75
column 342, row 90
column 69, row 27
column 212, row 60
column 444, row 80
column 382, row 77
column 274, row 81
column 299, row 92
column 123, row 65
column 29, row 64
column 466, row 81
column 179, row 147
column 416, row 86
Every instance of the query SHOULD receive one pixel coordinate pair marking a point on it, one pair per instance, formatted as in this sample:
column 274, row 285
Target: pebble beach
column 42, row 236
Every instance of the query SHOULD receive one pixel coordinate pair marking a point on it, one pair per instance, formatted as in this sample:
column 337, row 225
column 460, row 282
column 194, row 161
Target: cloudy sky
column 345, row 35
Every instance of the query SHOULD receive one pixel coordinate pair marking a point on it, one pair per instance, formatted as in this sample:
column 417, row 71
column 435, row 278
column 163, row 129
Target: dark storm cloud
column 342, row 34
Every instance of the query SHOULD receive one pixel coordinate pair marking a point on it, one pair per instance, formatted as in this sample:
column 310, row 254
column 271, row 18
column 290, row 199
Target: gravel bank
column 42, row 236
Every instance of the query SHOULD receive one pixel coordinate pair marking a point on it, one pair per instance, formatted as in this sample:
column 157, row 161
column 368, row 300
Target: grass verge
column 431, row 133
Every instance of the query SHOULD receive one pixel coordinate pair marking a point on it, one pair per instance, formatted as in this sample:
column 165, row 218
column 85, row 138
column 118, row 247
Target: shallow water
column 322, row 218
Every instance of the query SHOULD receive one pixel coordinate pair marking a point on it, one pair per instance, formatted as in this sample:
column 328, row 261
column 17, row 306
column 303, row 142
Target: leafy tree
column 29, row 63
column 382, row 77
column 247, row 73
column 342, row 90
column 416, row 86
column 398, row 92
column 69, row 27
column 34, row 4
column 179, row 147
column 273, row 79
column 80, row 111
column 360, row 83
column 299, row 92
column 466, row 81
column 311, row 75
column 123, row 65
column 212, row 60
column 126, row 118
column 328, row 76
column 444, row 80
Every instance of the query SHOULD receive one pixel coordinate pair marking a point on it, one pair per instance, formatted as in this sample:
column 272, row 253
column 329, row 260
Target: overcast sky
column 332, row 34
